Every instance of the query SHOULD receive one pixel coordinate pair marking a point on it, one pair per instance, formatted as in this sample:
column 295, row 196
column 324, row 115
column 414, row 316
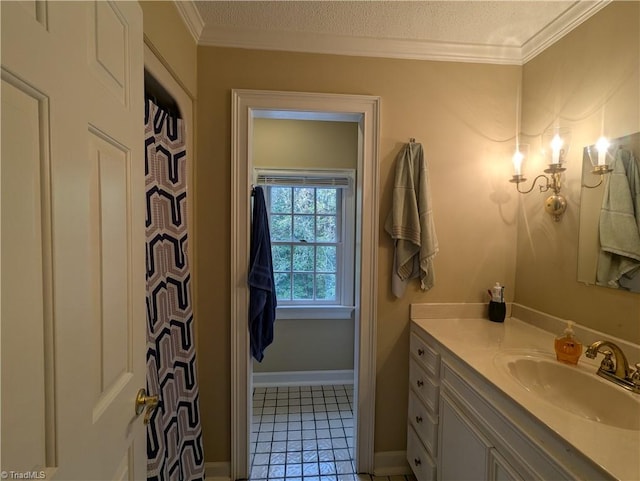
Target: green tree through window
column 305, row 224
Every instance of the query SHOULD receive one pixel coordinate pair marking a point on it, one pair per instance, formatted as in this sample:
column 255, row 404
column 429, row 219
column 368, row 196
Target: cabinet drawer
column 425, row 355
column 424, row 386
column 425, row 424
column 421, row 463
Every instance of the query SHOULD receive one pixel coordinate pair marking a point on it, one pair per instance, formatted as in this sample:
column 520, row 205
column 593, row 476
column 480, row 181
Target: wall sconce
column 599, row 157
column 555, row 152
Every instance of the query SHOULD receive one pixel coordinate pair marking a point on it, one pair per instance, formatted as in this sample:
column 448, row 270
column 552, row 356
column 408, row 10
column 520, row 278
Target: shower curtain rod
column 155, row 91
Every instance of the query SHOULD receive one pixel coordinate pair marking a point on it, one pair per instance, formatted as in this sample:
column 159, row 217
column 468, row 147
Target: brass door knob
column 142, row 401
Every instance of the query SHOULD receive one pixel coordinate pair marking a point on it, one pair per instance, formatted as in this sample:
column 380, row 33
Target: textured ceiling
column 394, row 26
column 494, row 23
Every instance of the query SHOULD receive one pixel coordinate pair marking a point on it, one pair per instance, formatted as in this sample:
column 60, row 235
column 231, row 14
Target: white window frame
column 345, row 180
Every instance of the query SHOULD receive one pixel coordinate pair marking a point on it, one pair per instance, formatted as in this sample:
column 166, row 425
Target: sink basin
column 576, row 389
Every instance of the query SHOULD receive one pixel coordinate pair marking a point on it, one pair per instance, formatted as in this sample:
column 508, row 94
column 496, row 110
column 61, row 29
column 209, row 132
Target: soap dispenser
column 568, row 348
column 497, row 306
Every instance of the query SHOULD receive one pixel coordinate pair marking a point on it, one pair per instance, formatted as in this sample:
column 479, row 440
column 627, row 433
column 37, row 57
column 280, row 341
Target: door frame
column 367, row 109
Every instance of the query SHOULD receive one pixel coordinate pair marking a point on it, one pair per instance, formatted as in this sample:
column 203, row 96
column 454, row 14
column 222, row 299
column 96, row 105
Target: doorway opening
column 363, row 110
column 303, row 388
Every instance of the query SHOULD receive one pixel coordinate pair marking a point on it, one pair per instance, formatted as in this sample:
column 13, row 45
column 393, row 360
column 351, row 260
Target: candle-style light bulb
column 556, row 146
column 602, row 146
column 517, row 159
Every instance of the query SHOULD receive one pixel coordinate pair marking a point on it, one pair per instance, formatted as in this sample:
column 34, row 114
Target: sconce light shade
column 555, row 146
column 600, row 158
column 518, row 158
column 557, row 150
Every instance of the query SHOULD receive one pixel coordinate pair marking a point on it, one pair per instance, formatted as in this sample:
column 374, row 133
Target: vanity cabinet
column 460, row 426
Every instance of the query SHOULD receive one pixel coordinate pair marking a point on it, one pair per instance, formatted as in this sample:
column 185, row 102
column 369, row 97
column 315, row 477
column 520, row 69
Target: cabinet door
column 464, row 452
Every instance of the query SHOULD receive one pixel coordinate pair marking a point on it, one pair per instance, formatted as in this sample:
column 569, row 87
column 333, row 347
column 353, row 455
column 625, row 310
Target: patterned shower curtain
column 174, row 437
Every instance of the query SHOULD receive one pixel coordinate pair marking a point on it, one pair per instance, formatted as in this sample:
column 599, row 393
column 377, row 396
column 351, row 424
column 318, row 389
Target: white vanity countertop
column 478, row 341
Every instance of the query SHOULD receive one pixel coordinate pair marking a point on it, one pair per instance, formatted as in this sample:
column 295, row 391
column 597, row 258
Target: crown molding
column 570, row 19
column 359, row 46
column 387, row 48
column 191, row 17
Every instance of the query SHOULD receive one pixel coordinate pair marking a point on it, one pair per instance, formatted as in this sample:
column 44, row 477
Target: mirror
column 609, row 239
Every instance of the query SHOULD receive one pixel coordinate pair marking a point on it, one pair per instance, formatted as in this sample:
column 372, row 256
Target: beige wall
column 308, row 344
column 464, row 114
column 167, row 34
column 590, row 81
column 313, row 144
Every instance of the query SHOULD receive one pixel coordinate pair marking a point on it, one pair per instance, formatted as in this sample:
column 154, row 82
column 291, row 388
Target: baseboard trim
column 220, row 471
column 390, row 463
column 386, row 463
column 302, row 378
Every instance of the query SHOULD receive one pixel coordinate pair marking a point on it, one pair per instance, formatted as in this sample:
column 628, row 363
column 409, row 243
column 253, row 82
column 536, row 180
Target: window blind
column 305, row 178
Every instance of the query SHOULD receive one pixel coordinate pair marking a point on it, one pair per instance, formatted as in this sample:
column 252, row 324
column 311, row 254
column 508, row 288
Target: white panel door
column 72, row 225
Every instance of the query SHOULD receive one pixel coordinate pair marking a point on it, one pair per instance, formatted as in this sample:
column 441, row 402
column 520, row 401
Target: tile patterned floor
column 303, row 432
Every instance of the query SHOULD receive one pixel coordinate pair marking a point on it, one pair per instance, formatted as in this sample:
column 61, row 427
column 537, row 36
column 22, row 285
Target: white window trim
column 342, row 309
column 314, row 312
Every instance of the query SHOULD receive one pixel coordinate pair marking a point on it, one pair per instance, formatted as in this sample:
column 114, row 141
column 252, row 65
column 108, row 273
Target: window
column 311, row 220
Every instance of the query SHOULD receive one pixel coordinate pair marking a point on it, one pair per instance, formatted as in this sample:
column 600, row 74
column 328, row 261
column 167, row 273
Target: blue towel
column 262, row 290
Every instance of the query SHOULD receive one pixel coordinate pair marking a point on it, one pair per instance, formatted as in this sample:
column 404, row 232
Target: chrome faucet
column 619, row 371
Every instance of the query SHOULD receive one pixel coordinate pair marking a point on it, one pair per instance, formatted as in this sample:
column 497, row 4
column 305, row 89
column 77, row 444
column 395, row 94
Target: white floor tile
column 310, row 469
column 325, row 455
column 280, row 436
column 259, row 472
column 328, row 467
column 278, row 458
column 278, row 447
column 344, row 467
column 261, row 458
column 294, row 445
column 308, row 444
column 276, row 471
column 300, row 434
column 293, row 470
column 339, row 443
column 310, row 456
column 294, row 456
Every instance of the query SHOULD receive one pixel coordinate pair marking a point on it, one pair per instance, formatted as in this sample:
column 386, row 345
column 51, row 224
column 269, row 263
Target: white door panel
column 23, row 268
column 73, row 328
